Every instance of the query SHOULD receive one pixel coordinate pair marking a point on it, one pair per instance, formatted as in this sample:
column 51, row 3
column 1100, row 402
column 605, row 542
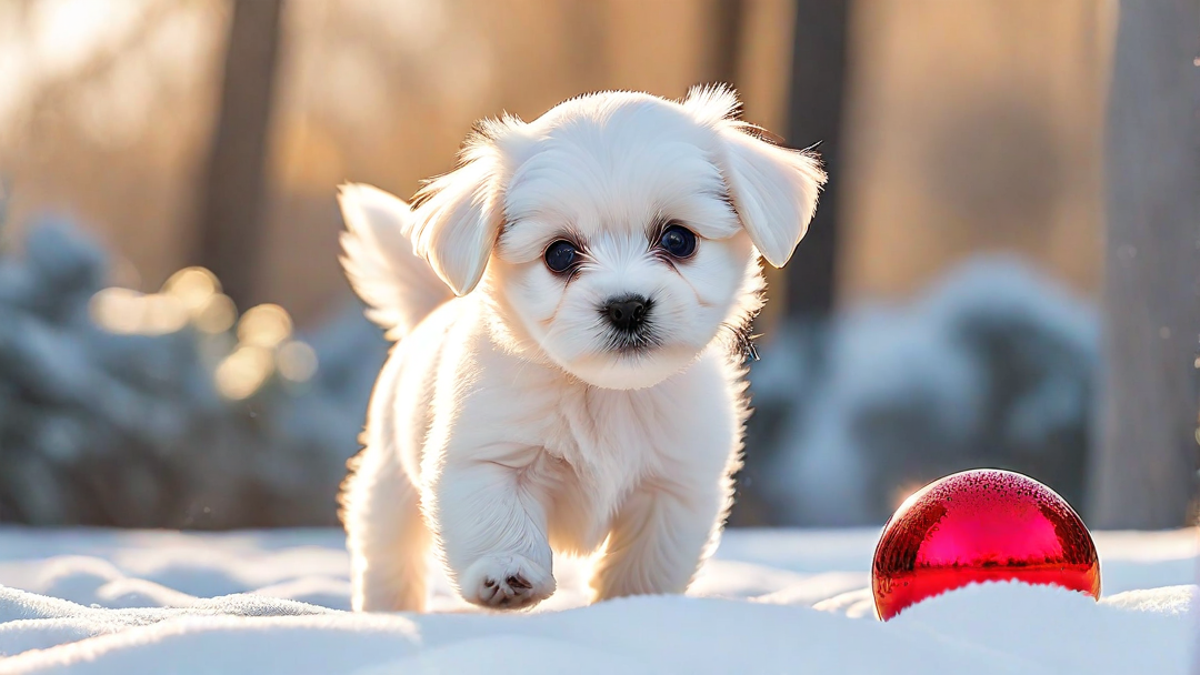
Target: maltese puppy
column 571, row 306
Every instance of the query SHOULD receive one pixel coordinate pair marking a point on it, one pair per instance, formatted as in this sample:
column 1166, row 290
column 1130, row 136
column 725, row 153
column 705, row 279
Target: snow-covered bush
column 167, row 410
column 993, row 367
column 161, row 410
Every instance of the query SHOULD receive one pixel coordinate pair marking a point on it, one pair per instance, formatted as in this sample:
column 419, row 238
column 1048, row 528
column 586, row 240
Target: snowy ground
column 773, row 601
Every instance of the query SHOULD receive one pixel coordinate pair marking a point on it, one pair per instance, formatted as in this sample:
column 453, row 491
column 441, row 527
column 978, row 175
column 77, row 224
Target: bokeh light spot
column 265, row 326
column 128, row 312
column 297, row 361
column 244, row 371
column 194, row 286
column 217, row 315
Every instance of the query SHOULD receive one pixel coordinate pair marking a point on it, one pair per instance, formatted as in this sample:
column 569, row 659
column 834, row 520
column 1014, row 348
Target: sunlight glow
column 903, row 493
column 69, row 32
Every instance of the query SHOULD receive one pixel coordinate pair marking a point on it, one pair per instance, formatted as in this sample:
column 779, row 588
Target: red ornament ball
column 977, row 526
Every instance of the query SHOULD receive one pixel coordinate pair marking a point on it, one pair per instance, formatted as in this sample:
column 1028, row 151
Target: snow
column 103, row 601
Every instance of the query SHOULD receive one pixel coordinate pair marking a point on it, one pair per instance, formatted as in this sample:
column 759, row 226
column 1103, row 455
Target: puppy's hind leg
column 385, row 534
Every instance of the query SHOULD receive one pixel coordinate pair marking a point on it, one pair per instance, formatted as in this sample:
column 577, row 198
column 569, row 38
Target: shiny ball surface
column 977, row 526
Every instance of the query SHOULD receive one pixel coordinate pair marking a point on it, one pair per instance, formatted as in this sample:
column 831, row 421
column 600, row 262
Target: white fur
column 504, row 425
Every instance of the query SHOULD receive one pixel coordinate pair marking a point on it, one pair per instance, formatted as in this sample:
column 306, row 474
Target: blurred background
column 178, row 347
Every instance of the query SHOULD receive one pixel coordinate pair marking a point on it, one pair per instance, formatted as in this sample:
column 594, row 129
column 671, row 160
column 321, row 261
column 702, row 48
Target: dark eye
column 561, row 255
column 679, row 241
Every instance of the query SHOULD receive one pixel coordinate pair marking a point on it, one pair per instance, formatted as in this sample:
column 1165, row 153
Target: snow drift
column 772, row 601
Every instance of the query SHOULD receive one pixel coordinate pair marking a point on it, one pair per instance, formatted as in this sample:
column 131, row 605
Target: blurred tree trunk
column 815, row 114
column 587, row 24
column 726, row 36
column 1143, row 473
column 231, row 212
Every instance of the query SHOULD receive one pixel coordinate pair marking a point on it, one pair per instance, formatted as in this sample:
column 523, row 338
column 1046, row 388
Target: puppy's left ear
column 457, row 217
column 774, row 189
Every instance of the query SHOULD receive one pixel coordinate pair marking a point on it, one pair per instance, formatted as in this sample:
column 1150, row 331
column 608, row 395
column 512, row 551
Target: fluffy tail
column 399, row 287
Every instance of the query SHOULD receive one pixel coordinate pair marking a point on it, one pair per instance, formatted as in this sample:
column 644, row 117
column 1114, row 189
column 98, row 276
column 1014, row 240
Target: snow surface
column 773, row 601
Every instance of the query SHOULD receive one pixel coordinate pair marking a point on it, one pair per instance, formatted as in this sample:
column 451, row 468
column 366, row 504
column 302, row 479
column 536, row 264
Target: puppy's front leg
column 660, row 536
column 492, row 527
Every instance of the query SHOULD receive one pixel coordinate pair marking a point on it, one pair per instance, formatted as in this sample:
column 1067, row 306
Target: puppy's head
column 616, row 235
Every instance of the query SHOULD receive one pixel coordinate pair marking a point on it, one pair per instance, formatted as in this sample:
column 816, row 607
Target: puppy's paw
column 506, row 582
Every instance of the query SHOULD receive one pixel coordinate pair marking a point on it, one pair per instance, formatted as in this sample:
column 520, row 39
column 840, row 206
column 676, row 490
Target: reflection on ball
column 976, row 526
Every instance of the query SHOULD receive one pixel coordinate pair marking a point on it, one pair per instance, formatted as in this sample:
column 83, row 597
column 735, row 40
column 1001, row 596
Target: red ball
column 977, row 526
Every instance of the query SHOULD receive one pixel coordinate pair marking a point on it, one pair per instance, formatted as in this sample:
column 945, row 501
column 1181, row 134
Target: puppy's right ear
column 457, row 217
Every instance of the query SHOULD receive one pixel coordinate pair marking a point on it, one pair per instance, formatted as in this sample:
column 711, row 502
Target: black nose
column 627, row 313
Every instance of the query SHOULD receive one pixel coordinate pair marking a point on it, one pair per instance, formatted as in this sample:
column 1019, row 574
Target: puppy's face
column 621, row 254
column 618, row 234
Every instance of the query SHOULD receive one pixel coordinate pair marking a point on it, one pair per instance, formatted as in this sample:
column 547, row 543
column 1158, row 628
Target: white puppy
column 584, row 391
